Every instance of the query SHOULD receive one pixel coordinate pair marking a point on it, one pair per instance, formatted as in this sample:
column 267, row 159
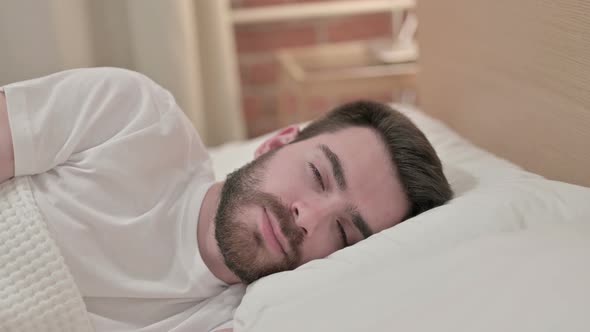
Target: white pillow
column 394, row 279
column 528, row 281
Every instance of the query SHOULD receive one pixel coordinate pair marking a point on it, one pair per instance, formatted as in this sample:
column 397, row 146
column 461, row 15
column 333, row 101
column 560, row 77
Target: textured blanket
column 37, row 292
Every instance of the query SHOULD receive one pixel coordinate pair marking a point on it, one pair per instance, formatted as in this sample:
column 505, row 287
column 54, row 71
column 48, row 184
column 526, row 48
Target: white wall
column 37, row 38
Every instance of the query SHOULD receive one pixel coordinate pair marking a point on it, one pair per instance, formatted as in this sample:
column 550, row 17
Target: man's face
column 306, row 200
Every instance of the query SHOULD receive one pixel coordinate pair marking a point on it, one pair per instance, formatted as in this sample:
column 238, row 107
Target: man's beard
column 241, row 245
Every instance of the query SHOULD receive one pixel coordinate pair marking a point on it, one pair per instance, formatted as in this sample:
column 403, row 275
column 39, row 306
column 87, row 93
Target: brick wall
column 256, row 44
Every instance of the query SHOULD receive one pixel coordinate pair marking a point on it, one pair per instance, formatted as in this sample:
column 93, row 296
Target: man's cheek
column 247, row 216
column 307, row 254
column 315, row 249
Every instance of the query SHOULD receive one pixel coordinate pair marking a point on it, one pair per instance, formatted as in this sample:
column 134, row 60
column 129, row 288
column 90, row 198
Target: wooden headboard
column 513, row 77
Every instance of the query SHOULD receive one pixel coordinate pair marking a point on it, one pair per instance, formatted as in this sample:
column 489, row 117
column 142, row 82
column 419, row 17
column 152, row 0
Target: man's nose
column 308, row 215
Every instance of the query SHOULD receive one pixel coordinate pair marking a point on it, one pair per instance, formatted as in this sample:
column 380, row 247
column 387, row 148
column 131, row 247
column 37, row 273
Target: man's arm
column 6, row 147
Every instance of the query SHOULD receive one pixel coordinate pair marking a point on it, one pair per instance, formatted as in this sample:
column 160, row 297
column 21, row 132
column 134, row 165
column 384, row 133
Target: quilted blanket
column 37, row 292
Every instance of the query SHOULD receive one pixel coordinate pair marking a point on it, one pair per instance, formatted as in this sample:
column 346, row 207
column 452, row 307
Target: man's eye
column 317, row 175
column 342, row 234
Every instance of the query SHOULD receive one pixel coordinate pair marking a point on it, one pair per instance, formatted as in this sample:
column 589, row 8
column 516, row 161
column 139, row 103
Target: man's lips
column 273, row 232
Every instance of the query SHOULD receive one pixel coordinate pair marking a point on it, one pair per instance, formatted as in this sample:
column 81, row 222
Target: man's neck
column 208, row 247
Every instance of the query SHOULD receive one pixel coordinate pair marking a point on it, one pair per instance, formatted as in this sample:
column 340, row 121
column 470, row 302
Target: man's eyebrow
column 337, row 169
column 338, row 172
column 359, row 222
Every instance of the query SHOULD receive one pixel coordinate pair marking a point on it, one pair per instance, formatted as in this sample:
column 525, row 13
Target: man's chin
column 251, row 271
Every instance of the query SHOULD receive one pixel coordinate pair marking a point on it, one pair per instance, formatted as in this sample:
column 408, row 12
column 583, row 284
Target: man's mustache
column 285, row 218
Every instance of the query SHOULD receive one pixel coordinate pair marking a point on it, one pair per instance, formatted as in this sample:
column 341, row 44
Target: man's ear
column 281, row 138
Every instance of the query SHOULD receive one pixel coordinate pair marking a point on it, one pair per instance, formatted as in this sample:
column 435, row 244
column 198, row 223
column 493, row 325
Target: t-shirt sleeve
column 57, row 116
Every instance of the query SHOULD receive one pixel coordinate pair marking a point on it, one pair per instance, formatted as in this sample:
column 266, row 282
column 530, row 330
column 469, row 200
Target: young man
column 126, row 189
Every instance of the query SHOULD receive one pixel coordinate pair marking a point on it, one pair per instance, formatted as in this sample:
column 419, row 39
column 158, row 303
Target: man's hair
column 414, row 159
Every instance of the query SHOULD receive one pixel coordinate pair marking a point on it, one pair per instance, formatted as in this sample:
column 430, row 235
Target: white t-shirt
column 119, row 173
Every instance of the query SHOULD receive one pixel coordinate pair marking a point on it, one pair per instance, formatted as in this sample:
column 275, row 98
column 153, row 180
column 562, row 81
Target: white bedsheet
column 509, row 253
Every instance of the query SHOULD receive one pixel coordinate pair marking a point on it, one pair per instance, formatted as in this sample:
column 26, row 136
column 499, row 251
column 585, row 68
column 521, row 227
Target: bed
column 503, row 98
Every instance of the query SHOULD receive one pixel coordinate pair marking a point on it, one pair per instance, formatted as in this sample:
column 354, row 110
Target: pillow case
column 367, row 287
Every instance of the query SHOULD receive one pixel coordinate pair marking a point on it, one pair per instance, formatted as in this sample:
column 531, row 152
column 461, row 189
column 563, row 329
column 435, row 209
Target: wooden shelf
column 317, row 10
column 336, row 70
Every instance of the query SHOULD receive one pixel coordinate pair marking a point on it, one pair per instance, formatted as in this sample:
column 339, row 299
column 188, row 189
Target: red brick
column 260, row 111
column 384, row 96
column 304, row 1
column 262, row 123
column 273, row 36
column 261, row 127
column 252, row 106
column 319, row 104
column 257, row 3
column 244, row 71
column 288, row 101
column 380, row 96
column 261, row 72
column 359, row 27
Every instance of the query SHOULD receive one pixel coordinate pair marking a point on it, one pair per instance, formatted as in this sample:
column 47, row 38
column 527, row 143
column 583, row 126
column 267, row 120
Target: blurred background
column 238, row 68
